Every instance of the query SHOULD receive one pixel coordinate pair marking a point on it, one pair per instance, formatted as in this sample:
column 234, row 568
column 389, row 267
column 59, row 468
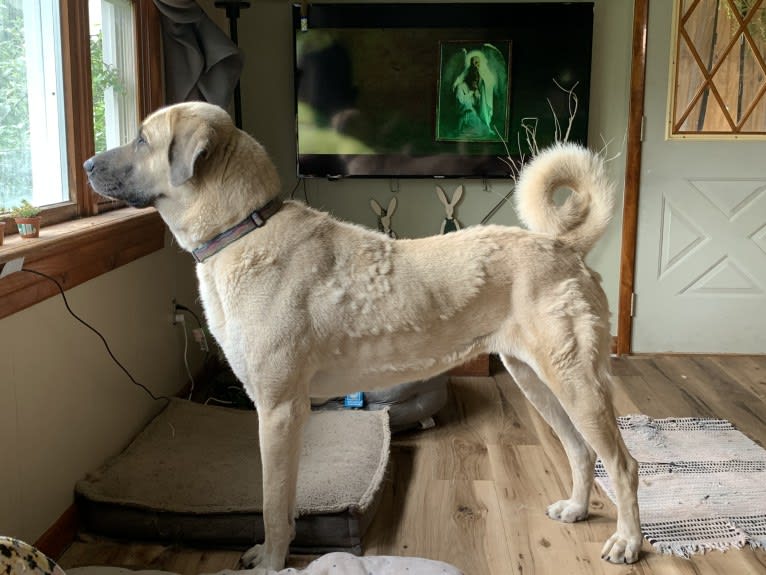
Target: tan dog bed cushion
column 194, row 475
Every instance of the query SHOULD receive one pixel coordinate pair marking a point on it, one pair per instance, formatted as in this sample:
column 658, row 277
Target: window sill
column 76, row 251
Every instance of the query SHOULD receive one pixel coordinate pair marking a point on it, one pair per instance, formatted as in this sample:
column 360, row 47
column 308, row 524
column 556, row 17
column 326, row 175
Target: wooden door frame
column 632, row 177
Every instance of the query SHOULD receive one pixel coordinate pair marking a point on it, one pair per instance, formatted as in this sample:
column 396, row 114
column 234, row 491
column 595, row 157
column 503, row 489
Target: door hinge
column 643, row 125
column 633, row 304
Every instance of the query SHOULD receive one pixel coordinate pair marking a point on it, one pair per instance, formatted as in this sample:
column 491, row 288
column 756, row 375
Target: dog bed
column 193, row 475
column 409, row 405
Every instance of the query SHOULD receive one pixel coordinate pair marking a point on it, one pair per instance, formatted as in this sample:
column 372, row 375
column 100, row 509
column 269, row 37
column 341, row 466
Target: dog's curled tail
column 582, row 218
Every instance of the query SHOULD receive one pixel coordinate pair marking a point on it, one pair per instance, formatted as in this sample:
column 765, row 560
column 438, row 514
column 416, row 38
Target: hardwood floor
column 473, row 490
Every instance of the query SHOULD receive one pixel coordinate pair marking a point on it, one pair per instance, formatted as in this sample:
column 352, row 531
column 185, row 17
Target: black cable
column 295, row 188
column 94, row 330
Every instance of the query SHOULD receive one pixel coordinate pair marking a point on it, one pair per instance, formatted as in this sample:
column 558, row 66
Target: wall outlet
column 12, row 266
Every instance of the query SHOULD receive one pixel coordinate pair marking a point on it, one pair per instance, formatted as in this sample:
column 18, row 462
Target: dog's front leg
column 280, row 428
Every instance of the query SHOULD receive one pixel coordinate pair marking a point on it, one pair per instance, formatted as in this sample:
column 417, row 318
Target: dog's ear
column 191, row 142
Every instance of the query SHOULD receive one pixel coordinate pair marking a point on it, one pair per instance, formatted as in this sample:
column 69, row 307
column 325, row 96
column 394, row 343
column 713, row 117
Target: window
column 719, row 86
column 56, row 109
column 112, row 57
column 32, row 104
column 74, row 79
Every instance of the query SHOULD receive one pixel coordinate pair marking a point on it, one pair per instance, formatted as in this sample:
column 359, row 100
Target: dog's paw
column 620, row 549
column 567, row 511
column 258, row 561
column 253, row 557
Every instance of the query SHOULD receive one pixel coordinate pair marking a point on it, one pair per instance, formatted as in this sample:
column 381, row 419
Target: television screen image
column 474, row 91
column 435, row 90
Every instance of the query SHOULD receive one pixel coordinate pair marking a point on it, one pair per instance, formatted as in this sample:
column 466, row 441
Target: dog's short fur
column 308, row 306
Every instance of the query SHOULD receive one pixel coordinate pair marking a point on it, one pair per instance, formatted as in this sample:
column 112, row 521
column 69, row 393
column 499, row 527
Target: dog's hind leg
column 593, row 414
column 280, row 428
column 582, row 386
column 581, row 457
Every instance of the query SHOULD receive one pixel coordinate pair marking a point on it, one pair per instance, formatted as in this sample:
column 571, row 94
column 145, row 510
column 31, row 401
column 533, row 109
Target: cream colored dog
column 304, row 305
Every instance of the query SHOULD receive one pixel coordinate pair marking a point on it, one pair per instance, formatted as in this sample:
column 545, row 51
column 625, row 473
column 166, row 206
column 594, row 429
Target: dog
column 304, row 305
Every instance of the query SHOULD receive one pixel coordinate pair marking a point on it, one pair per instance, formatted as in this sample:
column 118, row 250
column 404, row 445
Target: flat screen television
column 436, row 90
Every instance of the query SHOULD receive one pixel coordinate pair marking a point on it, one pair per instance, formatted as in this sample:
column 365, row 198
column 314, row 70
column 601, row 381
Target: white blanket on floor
column 330, row 564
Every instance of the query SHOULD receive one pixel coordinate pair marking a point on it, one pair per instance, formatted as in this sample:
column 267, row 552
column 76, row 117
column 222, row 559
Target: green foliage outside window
column 104, row 76
column 15, row 153
column 15, row 157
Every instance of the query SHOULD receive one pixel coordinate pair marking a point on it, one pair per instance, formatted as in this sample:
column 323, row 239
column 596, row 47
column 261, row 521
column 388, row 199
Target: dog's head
column 191, row 163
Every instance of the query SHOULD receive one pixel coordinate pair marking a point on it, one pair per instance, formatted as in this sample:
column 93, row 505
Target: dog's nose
column 89, row 164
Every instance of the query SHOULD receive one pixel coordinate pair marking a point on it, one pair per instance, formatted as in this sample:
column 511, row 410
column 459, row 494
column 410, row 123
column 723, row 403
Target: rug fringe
column 686, row 550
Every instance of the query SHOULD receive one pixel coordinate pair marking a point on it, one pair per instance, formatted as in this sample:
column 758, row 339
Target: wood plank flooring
column 473, row 490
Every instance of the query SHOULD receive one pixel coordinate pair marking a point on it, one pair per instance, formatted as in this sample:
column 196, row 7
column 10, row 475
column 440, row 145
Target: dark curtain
column 201, row 62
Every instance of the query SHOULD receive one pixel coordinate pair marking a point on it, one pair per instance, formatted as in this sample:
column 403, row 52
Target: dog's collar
column 254, row 221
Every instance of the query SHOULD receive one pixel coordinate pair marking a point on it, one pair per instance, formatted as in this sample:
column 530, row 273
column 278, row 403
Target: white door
column 700, row 281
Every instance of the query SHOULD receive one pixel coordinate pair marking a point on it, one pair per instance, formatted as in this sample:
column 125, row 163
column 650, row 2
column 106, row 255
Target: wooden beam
column 632, row 176
column 149, row 43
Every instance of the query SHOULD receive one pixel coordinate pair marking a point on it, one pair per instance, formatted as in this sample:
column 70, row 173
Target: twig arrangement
column 529, row 129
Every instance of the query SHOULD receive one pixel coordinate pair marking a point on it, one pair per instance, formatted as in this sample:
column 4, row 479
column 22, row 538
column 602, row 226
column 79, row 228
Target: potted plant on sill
column 27, row 219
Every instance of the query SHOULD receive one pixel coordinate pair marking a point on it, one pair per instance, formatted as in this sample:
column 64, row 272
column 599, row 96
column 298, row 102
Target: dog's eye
column 140, row 140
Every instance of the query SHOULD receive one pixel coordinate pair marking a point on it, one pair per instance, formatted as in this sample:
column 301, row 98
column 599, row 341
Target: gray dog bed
column 194, row 475
column 409, row 405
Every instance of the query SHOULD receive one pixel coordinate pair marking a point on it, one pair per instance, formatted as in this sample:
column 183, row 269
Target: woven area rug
column 702, row 484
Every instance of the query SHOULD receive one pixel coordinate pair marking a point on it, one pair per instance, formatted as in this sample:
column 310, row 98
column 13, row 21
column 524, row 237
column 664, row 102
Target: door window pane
column 720, row 68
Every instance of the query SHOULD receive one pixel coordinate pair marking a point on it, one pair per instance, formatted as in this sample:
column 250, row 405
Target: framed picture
column 474, row 91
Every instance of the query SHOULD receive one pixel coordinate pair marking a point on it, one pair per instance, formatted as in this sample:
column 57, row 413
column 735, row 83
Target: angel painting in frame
column 474, row 91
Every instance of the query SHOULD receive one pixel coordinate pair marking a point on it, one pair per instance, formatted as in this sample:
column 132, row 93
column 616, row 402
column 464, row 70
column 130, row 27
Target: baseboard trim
column 60, row 535
column 476, row 367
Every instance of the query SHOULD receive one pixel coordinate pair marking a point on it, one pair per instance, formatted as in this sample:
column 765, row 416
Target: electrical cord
column 186, row 360
column 98, row 333
column 297, row 185
column 209, row 399
column 183, row 308
column 189, row 311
